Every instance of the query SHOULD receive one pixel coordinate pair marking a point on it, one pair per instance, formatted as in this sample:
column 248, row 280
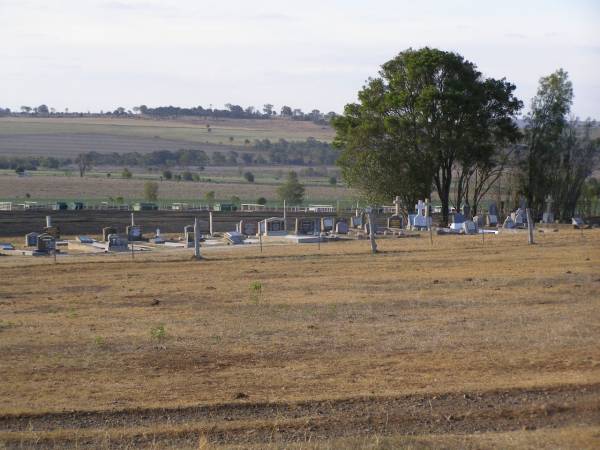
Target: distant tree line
column 303, row 153
column 237, row 112
column 33, row 162
column 309, row 152
column 231, row 111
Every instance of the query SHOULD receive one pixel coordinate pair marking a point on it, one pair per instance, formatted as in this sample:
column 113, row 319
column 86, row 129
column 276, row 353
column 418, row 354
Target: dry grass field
column 101, row 188
column 462, row 344
column 67, row 137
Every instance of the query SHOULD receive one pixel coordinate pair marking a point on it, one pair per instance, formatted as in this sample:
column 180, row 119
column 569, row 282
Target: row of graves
column 46, row 242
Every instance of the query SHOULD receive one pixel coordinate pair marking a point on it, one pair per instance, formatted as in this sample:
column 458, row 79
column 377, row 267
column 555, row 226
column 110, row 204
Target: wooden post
column 132, row 256
column 196, row 239
column 260, row 237
column 132, row 220
column 48, row 221
column 529, row 226
column 284, row 217
column 372, row 230
column 210, row 223
column 429, row 227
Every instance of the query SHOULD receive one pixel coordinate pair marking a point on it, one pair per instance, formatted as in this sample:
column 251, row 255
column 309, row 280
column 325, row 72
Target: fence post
column 529, row 226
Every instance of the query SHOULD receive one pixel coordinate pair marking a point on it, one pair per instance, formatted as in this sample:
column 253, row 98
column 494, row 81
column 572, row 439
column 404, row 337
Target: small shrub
column 256, row 291
column 158, row 333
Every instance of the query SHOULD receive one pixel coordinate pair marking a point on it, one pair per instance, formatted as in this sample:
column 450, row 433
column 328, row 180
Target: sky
column 92, row 55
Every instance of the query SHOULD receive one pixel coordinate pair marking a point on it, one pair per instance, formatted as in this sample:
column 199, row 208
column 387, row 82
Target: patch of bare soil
column 246, row 422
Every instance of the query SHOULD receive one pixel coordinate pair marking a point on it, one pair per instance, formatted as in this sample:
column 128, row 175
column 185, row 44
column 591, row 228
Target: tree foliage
column 292, row 191
column 428, row 112
column 151, row 191
column 559, row 153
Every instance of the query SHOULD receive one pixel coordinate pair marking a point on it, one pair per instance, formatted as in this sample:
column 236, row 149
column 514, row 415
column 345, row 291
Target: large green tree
column 559, row 153
column 579, row 156
column 427, row 112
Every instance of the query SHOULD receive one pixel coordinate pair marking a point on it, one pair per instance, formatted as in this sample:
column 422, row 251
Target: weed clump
column 158, row 333
column 256, row 291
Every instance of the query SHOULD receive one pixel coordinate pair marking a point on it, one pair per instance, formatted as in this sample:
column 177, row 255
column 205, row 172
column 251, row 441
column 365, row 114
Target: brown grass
column 74, row 187
column 67, row 137
column 331, row 324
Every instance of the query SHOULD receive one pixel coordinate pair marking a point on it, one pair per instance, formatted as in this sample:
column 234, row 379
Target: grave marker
column 31, row 239
column 341, row 227
column 548, row 216
column 46, row 243
column 134, row 232
column 106, row 231
column 327, row 223
column 117, row 243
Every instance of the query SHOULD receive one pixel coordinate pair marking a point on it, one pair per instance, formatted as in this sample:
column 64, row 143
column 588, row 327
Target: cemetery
column 323, row 227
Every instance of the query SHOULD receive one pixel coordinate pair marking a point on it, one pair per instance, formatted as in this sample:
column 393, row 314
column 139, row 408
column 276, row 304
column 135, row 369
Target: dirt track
column 245, row 422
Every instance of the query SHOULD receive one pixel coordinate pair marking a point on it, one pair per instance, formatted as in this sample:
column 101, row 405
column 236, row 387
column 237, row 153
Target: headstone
column 397, row 204
column 85, row 239
column 421, row 221
column 458, row 218
column 188, row 238
column 117, row 243
column 457, row 222
column 478, row 221
column 466, row 211
column 327, row 223
column 248, row 227
column 106, row 231
column 52, row 231
column 134, row 233
column 493, row 209
column 395, row 221
column 341, row 227
column 411, row 220
column 508, row 223
column 518, row 218
column 46, row 243
column 548, row 216
column 469, row 227
column 31, row 239
column 6, row 246
column 356, row 221
column 491, row 220
column 307, row 225
column 577, row 222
